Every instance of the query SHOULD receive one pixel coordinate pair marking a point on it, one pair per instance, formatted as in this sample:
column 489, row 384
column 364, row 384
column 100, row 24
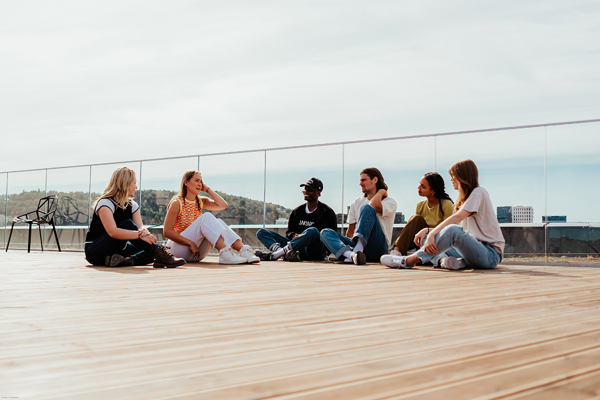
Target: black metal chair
column 43, row 215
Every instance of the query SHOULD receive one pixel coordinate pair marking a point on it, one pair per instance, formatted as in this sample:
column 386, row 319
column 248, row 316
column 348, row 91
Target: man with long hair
column 370, row 223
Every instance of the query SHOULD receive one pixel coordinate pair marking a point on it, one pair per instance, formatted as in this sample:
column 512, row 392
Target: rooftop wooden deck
column 295, row 330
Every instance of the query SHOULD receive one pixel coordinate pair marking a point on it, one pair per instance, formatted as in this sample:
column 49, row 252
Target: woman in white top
column 476, row 243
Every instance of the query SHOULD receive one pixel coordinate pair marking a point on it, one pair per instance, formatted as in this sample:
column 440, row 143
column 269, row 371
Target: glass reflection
column 573, row 167
column 71, row 185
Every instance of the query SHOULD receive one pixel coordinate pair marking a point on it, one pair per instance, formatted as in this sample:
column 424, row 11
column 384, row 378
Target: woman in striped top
column 192, row 234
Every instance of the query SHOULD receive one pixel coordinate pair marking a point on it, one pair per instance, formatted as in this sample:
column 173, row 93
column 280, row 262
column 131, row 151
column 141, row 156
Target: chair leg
column 29, row 241
column 10, row 235
column 56, row 236
column 41, row 239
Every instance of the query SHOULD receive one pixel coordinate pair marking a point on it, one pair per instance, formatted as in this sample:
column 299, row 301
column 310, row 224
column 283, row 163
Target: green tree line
column 74, row 207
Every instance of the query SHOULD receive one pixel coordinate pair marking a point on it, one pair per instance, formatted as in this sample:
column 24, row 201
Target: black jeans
column 140, row 251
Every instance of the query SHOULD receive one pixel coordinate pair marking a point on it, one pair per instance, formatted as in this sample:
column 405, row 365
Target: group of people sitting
column 117, row 237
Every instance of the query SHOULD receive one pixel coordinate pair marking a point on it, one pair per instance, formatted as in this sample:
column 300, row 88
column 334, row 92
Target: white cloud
column 239, row 75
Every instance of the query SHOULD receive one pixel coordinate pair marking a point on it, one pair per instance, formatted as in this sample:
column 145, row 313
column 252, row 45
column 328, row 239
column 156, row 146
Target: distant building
column 399, row 219
column 504, row 214
column 522, row 214
column 554, row 218
column 281, row 221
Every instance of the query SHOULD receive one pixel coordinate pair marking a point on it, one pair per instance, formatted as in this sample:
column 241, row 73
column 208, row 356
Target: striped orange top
column 188, row 213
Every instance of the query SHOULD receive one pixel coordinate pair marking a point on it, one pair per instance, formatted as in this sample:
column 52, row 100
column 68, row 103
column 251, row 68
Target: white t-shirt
column 386, row 218
column 482, row 224
column 112, row 206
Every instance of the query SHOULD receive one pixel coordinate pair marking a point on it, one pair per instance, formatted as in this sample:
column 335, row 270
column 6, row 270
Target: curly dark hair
column 437, row 184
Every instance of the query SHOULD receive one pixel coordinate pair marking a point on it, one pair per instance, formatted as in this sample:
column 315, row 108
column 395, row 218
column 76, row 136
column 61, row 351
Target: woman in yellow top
column 192, row 234
column 429, row 213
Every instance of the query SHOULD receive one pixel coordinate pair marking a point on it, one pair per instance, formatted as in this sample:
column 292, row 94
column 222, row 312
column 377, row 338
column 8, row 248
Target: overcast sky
column 88, row 82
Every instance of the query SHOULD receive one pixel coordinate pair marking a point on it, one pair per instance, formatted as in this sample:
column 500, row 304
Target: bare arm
column 375, row 201
column 215, row 203
column 143, row 233
column 350, row 231
column 108, row 221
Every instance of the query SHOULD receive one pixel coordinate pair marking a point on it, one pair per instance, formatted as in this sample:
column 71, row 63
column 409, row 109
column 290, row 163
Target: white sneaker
column 394, row 261
column 228, row 256
column 396, row 253
column 248, row 254
column 453, row 263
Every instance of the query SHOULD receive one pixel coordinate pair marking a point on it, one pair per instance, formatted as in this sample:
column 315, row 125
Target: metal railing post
column 265, row 191
column 343, row 184
column 545, row 196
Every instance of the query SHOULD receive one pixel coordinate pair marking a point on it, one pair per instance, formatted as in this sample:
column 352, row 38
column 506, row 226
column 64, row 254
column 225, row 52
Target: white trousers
column 204, row 231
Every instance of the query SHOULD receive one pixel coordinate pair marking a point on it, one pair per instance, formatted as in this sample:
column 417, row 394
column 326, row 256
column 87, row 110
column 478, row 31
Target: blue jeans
column 103, row 246
column 368, row 231
column 308, row 243
column 455, row 242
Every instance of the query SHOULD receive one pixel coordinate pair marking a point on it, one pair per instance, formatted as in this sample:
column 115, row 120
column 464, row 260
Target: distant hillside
column 73, row 207
column 241, row 210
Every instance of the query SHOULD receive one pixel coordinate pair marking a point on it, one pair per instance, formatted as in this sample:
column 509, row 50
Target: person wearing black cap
column 302, row 240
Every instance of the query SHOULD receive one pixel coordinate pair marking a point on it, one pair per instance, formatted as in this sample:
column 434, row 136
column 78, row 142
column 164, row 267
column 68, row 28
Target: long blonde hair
column 118, row 187
column 183, row 190
column 466, row 174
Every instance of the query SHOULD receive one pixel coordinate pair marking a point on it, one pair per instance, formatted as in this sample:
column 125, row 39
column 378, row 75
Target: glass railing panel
column 101, row 174
column 160, row 181
column 71, row 185
column 511, row 169
column 239, row 179
column 288, row 169
column 4, row 220
column 402, row 164
column 573, row 170
column 24, row 192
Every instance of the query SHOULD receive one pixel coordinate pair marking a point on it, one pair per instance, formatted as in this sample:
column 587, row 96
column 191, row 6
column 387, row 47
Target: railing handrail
column 425, row 135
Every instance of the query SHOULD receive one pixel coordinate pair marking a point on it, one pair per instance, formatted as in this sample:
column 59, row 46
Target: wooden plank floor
column 295, row 331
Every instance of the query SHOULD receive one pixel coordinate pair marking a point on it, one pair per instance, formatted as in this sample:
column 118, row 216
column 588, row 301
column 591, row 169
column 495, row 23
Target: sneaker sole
column 454, row 264
column 361, row 258
column 168, row 265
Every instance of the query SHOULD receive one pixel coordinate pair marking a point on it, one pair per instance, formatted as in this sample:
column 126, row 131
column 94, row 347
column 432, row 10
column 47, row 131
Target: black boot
column 117, row 260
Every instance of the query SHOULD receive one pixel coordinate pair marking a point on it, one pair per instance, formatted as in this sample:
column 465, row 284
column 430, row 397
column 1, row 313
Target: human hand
column 205, row 187
column 429, row 245
column 146, row 236
column 194, row 249
column 420, row 237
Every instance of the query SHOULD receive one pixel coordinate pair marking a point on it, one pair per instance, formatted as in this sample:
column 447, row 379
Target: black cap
column 314, row 183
